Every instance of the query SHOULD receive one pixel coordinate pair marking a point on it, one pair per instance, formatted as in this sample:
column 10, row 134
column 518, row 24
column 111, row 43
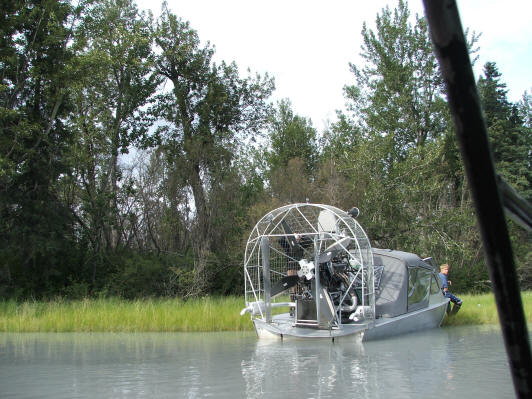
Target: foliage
column 292, row 154
column 134, row 165
column 291, row 136
column 398, row 91
column 208, row 111
column 34, row 144
column 394, row 155
column 113, row 42
column 510, row 137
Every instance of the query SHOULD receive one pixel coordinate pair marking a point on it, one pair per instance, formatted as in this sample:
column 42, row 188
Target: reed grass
column 118, row 315
column 481, row 309
column 175, row 315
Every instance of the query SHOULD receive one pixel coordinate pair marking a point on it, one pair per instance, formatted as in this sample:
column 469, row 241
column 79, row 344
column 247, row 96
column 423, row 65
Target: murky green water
column 455, row 362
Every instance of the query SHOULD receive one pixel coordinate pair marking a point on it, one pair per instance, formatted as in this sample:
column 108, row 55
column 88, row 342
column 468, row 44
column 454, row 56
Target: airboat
column 310, row 272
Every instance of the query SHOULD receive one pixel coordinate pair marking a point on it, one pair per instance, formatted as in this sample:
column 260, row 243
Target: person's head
column 444, row 268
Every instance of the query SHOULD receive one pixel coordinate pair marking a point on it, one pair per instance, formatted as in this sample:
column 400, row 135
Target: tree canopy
column 133, row 164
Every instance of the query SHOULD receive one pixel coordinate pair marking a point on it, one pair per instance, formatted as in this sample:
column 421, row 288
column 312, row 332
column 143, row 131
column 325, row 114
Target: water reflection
column 457, row 361
column 326, row 370
column 289, row 368
column 413, row 366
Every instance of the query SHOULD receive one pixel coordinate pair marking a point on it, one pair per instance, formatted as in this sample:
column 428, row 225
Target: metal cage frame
column 318, row 228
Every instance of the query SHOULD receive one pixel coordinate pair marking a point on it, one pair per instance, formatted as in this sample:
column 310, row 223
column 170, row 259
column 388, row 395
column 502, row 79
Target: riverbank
column 481, row 309
column 176, row 315
column 119, row 315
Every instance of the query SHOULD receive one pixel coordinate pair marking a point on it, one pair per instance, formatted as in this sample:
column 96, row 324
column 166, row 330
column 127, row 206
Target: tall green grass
column 117, row 315
column 481, row 309
column 176, row 315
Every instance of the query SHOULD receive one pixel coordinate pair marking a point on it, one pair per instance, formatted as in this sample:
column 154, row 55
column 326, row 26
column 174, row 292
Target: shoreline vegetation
column 129, row 165
column 208, row 314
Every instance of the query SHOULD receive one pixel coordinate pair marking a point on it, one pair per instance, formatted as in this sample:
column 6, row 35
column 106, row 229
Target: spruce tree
column 508, row 134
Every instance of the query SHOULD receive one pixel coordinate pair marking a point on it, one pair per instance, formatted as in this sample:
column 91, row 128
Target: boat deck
column 283, row 326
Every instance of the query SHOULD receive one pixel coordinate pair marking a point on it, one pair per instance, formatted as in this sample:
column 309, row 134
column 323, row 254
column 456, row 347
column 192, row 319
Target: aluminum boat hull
column 282, row 326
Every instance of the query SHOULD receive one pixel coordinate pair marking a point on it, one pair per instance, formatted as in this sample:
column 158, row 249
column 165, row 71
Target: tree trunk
column 202, row 243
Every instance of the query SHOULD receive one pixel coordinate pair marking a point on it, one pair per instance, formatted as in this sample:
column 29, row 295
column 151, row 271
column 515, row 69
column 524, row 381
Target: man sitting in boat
column 444, row 271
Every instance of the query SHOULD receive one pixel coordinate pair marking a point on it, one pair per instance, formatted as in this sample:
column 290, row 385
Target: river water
column 449, row 362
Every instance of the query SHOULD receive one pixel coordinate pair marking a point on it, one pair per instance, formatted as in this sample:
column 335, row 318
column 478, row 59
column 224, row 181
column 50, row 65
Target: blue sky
column 307, row 45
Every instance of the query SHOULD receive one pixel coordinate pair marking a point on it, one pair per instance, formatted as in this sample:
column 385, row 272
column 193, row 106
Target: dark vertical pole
column 265, row 249
column 453, row 56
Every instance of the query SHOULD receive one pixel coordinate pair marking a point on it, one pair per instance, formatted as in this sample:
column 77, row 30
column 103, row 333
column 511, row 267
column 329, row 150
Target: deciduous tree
column 208, row 111
column 116, row 80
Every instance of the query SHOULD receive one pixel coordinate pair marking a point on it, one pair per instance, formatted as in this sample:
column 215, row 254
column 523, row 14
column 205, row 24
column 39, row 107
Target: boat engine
column 338, row 287
column 338, row 278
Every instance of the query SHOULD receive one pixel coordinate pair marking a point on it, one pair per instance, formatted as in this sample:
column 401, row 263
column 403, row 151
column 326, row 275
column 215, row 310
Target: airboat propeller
column 297, row 244
column 284, row 284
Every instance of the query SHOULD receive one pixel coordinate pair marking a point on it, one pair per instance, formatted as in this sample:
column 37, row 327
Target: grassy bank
column 175, row 315
column 117, row 315
column 481, row 309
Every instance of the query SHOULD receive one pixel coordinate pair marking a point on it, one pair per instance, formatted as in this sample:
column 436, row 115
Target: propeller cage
column 317, row 258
